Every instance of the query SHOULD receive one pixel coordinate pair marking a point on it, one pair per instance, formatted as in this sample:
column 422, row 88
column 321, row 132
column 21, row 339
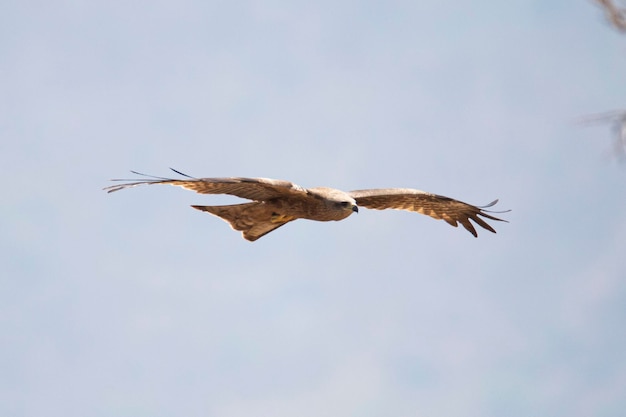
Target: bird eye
column 345, row 204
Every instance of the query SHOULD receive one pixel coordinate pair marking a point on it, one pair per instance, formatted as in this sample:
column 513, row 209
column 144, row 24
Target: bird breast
column 310, row 209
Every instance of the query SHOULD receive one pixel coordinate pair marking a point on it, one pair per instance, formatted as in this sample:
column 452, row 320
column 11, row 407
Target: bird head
column 339, row 204
column 343, row 204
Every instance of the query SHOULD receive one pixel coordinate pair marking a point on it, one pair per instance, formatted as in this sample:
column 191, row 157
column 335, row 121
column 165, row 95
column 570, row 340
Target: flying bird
column 277, row 202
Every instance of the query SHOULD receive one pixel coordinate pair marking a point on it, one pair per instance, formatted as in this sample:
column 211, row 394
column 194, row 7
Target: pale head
column 338, row 204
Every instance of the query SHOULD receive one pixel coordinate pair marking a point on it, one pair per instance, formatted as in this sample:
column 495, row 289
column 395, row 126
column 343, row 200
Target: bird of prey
column 276, row 202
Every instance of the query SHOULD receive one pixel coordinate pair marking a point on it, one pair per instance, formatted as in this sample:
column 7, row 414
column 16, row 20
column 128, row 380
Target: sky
column 134, row 304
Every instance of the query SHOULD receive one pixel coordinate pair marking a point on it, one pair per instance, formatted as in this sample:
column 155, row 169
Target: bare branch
column 616, row 15
column 617, row 120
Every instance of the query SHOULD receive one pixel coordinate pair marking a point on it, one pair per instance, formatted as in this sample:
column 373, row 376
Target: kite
column 277, row 202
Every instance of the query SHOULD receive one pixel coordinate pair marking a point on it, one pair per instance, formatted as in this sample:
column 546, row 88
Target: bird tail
column 250, row 218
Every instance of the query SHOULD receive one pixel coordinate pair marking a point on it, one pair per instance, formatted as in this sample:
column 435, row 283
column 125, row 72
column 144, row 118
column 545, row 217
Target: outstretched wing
column 258, row 189
column 433, row 205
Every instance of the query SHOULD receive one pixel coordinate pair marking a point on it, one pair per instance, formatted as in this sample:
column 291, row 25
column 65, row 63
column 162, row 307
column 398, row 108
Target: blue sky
column 134, row 304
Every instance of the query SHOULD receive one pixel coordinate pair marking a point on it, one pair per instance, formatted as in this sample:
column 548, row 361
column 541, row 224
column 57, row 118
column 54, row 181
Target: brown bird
column 276, row 202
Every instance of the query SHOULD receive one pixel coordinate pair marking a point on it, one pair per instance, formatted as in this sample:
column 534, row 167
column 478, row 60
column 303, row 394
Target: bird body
column 259, row 218
column 277, row 202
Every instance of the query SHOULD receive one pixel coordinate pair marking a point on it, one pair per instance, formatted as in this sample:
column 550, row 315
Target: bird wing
column 258, row 189
column 433, row 205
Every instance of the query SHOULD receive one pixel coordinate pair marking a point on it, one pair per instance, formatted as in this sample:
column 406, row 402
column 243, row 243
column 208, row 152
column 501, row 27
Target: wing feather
column 436, row 206
column 258, row 189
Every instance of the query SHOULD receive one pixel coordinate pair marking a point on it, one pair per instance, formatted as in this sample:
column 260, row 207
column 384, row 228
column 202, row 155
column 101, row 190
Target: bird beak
column 355, row 209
